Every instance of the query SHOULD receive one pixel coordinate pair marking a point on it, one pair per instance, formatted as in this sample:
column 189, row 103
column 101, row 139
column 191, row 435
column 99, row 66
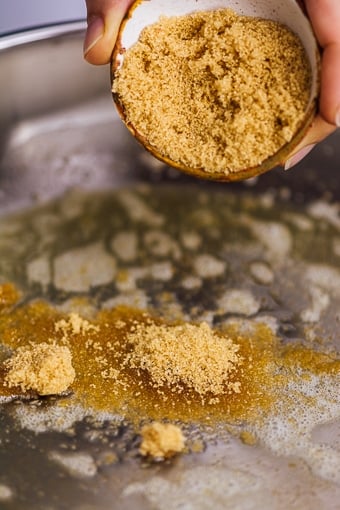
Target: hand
column 325, row 18
column 104, row 18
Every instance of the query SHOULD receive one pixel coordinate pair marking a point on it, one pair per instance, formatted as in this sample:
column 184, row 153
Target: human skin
column 104, row 18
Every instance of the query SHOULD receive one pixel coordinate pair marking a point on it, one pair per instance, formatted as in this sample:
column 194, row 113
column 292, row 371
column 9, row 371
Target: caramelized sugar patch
column 9, row 296
column 119, row 369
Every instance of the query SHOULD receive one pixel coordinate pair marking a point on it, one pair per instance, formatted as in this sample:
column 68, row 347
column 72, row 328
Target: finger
column 325, row 18
column 329, row 103
column 104, row 19
column 319, row 130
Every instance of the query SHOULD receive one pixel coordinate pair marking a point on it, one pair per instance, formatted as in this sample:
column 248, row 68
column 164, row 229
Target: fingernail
column 337, row 117
column 294, row 160
column 94, row 32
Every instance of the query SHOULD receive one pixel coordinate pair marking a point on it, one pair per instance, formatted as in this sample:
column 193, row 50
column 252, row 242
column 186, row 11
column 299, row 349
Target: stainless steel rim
column 41, row 33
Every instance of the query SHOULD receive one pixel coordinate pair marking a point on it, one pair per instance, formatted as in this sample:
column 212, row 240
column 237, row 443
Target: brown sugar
column 44, row 368
column 74, row 325
column 161, row 440
column 215, row 90
column 185, row 355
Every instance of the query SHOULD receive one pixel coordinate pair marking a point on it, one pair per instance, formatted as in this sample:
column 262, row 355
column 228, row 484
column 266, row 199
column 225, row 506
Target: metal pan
column 63, row 146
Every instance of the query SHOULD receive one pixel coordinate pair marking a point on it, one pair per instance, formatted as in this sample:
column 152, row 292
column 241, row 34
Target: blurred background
column 22, row 14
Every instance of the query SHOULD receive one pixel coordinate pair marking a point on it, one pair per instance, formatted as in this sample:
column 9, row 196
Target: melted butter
column 104, row 383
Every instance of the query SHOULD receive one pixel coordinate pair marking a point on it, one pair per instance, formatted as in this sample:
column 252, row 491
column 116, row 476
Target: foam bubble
column 239, row 301
column 6, row 493
column 311, row 402
column 55, row 417
column 79, row 465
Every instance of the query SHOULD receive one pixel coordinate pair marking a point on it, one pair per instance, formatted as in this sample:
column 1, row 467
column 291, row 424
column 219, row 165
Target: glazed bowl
column 144, row 13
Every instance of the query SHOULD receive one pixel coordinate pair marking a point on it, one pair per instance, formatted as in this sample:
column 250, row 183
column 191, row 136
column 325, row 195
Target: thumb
column 319, row 130
column 103, row 21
